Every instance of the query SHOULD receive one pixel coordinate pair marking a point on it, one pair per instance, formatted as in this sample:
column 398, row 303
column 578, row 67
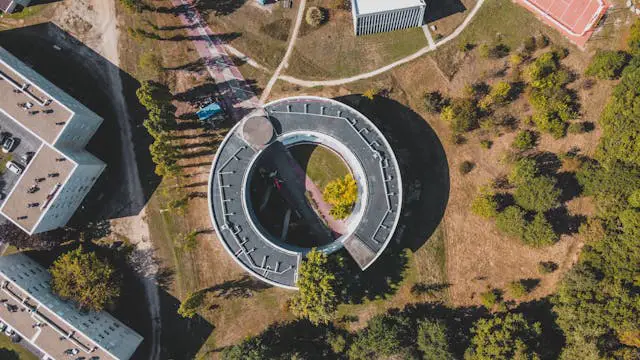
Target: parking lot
column 25, row 143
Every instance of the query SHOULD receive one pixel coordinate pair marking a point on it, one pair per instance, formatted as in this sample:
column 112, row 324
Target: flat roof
column 25, row 103
column 363, row 7
column 51, row 169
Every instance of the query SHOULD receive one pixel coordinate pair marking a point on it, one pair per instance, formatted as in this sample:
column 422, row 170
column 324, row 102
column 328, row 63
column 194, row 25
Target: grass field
column 321, row 164
column 332, row 50
column 11, row 351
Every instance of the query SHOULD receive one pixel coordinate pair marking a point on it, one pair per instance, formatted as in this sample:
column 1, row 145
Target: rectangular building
column 8, row 6
column 56, row 328
column 51, row 130
column 376, row 16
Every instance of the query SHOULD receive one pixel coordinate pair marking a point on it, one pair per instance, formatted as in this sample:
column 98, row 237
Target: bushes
column 607, row 64
column 539, row 232
column 315, row 16
column 525, row 140
column 461, row 114
column 190, row 306
column 517, row 289
column 485, row 203
column 577, row 128
column 434, row 102
column 537, row 194
column 466, row 167
column 433, row 341
column 341, row 194
column 496, row 51
column 490, row 298
column 504, row 337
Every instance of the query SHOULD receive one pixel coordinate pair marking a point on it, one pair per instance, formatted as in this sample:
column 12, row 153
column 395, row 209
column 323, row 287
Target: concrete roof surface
column 363, row 7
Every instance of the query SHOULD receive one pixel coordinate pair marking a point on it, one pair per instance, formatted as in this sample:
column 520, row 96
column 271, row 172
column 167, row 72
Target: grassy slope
column 322, row 165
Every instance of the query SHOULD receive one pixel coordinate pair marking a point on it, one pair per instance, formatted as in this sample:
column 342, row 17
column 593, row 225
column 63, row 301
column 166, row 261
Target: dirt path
column 95, row 22
column 285, row 60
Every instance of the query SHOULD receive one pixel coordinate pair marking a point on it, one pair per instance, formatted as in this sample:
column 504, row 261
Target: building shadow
column 121, row 141
column 423, row 166
column 437, row 10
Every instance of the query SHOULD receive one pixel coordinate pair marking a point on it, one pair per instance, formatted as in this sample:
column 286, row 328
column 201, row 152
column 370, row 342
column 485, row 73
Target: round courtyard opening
column 282, row 171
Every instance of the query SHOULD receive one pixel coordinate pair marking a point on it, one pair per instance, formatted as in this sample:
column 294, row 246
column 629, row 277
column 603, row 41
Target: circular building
column 266, row 187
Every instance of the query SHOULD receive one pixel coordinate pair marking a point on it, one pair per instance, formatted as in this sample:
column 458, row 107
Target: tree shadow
column 569, row 185
column 89, row 77
column 552, row 340
column 563, row 222
column 548, row 163
column 442, row 9
column 244, row 287
column 206, row 7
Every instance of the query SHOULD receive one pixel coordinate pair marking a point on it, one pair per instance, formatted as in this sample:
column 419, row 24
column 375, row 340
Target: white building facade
column 376, row 16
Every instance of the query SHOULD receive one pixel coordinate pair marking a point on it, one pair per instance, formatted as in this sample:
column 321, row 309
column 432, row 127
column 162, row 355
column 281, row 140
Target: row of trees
column 407, row 334
column 598, row 302
column 156, row 98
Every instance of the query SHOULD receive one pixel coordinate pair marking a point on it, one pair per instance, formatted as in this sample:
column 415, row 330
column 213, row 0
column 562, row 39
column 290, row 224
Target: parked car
column 26, row 157
column 14, row 167
column 3, row 326
column 8, row 144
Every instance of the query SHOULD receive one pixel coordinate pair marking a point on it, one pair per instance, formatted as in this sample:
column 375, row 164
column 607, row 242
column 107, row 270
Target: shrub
column 486, row 144
column 190, row 306
column 485, row 203
column 512, row 222
column 550, row 122
column 132, row 5
column 466, row 46
column 315, row 16
column 537, row 194
column 461, row 114
column 542, row 41
column 607, row 64
column 500, row 93
column 517, row 289
column 466, row 167
column 630, row 220
column 490, row 298
column 525, row 140
column 337, row 342
column 634, row 199
column 539, row 232
column 505, row 337
column 529, row 44
column 433, row 102
column 634, row 38
column 371, row 93
column 577, row 128
column 547, row 267
column 516, row 59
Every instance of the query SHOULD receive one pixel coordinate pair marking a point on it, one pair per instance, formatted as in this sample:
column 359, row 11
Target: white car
column 14, row 167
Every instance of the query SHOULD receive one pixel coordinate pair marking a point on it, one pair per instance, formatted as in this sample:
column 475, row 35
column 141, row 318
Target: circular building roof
column 284, row 122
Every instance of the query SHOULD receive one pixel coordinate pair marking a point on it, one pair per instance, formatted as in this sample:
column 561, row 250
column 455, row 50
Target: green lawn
column 321, row 164
column 11, row 351
column 26, row 12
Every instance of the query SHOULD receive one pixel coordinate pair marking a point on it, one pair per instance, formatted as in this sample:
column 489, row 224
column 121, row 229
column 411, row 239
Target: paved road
column 238, row 96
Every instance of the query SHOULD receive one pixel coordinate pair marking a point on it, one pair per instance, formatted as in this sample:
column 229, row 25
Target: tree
column 251, row 348
column 152, row 94
column 434, row 102
column 490, row 298
column 634, row 38
column 539, row 232
column 384, row 336
column 485, row 203
column 341, row 194
column 537, row 194
column 80, row 276
column 316, row 298
column 461, row 114
column 150, row 63
column 512, row 222
column 524, row 140
column 466, row 167
column 518, row 289
column 132, row 5
column 433, row 340
column 500, row 93
column 524, row 170
column 315, row 16
column 190, row 306
column 607, row 64
column 507, row 337
column 371, row 93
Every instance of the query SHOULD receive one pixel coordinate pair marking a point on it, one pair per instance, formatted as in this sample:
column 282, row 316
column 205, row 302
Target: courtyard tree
column 317, row 297
column 82, row 277
column 507, row 337
column 341, row 194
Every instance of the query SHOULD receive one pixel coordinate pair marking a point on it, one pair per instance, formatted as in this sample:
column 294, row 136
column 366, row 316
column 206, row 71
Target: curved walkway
column 285, row 60
column 312, row 83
